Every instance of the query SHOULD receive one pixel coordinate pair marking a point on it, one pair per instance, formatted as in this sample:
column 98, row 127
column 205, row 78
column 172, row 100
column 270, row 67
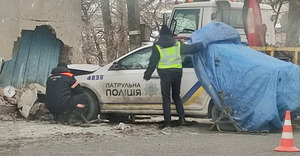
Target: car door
column 192, row 93
column 125, row 86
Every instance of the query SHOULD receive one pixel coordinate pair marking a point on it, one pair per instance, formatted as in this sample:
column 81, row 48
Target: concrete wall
column 64, row 16
column 9, row 26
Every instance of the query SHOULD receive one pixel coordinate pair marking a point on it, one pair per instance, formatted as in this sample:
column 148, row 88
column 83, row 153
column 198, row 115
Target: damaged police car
column 119, row 87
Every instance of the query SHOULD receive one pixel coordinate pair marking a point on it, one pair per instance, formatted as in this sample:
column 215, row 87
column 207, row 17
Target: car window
column 137, row 60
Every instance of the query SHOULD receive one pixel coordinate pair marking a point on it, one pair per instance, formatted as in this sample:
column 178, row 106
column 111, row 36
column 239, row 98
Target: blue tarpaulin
column 259, row 88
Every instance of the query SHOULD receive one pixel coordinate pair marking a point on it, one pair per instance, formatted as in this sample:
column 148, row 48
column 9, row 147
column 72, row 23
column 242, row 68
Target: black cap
column 62, row 64
column 165, row 30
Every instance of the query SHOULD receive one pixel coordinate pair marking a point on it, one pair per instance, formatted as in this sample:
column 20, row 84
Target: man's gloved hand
column 146, row 77
column 199, row 46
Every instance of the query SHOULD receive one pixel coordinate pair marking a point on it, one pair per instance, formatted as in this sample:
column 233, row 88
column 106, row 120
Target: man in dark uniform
column 64, row 96
column 166, row 57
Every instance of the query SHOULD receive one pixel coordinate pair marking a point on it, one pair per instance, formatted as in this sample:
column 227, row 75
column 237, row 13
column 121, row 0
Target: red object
column 80, row 105
column 67, row 74
column 287, row 141
column 256, row 31
column 181, row 38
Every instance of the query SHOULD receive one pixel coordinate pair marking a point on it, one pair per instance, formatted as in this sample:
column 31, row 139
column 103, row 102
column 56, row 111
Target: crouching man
column 65, row 98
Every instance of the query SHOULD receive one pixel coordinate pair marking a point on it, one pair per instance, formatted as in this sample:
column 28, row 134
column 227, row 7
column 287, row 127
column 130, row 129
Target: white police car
column 119, row 87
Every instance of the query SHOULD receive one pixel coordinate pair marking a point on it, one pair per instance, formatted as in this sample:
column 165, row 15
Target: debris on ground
column 24, row 102
column 121, row 126
column 8, row 108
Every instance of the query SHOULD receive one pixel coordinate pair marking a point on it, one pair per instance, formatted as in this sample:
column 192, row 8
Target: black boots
column 183, row 122
column 75, row 120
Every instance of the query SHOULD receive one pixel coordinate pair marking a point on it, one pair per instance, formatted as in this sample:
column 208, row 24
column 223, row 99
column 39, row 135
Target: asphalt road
column 141, row 138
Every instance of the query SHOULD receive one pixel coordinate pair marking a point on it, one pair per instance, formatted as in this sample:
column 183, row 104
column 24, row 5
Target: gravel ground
column 15, row 134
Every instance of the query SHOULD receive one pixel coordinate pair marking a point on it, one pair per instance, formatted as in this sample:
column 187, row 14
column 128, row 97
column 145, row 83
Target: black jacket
column 168, row 41
column 61, row 86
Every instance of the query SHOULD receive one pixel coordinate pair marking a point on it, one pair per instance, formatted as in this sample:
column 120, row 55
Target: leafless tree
column 292, row 28
column 152, row 11
column 105, row 33
column 109, row 28
column 122, row 28
column 92, row 34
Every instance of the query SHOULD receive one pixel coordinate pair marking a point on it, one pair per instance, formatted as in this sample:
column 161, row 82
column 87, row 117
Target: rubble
column 121, row 126
column 6, row 108
column 24, row 102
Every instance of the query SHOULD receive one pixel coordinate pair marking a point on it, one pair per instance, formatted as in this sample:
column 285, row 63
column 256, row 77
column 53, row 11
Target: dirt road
column 15, row 134
column 144, row 137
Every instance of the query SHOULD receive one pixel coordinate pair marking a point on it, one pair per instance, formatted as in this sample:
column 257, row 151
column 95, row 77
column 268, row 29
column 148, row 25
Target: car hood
column 84, row 67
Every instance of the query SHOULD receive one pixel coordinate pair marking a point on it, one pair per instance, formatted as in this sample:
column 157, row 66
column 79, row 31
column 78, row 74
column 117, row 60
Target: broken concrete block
column 121, row 126
column 12, row 101
column 18, row 94
column 41, row 89
column 7, row 108
column 26, row 102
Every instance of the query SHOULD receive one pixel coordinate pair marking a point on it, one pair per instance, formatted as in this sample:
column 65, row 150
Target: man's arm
column 76, row 87
column 190, row 49
column 154, row 59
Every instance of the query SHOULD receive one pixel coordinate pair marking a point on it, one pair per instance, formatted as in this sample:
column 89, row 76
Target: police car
column 119, row 87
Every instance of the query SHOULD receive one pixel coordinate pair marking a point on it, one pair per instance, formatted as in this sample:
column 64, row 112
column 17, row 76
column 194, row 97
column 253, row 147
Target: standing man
column 65, row 98
column 166, row 57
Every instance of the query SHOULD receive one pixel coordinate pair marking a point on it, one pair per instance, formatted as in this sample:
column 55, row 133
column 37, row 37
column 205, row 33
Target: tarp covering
column 259, row 88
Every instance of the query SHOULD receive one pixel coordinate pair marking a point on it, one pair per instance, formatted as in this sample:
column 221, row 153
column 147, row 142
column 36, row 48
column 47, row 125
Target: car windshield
column 185, row 20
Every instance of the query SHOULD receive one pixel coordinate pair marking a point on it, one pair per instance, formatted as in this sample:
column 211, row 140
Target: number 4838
column 95, row 77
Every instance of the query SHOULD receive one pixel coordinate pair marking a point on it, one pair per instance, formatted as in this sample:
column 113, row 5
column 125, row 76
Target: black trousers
column 170, row 79
column 70, row 106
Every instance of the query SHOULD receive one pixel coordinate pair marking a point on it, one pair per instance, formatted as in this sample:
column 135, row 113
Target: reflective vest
column 169, row 57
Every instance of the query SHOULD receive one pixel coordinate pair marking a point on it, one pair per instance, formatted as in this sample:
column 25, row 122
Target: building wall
column 63, row 16
column 9, row 26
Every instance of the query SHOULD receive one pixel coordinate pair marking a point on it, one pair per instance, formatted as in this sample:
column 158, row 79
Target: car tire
column 92, row 109
column 215, row 114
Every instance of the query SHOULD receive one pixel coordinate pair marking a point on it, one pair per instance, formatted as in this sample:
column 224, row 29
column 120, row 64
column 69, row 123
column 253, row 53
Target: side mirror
column 115, row 66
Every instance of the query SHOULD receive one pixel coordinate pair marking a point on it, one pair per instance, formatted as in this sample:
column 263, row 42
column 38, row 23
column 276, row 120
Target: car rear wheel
column 215, row 114
column 92, row 108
